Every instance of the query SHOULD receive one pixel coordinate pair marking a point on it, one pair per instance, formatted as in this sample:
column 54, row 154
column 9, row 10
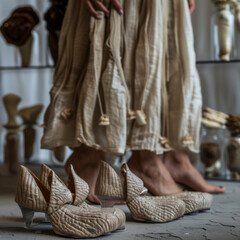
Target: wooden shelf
column 2, row 68
column 218, row 62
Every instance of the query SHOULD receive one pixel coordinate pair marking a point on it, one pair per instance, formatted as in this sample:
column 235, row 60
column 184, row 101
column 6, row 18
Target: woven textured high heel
column 28, row 196
column 27, row 216
column 80, row 189
column 143, row 208
column 66, row 219
column 131, row 188
column 110, row 187
column 73, row 221
column 194, row 201
column 28, row 212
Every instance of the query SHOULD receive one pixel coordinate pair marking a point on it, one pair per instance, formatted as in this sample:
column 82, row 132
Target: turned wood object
column 11, row 151
column 17, row 30
column 11, row 147
column 11, row 102
column 237, row 16
column 224, row 23
column 26, row 52
column 29, row 116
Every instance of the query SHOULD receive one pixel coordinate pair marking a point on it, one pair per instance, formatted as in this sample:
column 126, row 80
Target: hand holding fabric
column 191, row 4
column 97, row 5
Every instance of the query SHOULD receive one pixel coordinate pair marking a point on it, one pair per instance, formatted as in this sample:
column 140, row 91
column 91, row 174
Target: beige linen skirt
column 127, row 82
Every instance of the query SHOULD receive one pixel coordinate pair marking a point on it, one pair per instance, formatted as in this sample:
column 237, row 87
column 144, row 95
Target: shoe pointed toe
column 156, row 209
column 195, row 201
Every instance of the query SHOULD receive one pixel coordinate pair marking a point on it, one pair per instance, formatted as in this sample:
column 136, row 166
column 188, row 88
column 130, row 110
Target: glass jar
column 233, row 156
column 223, row 32
column 210, row 152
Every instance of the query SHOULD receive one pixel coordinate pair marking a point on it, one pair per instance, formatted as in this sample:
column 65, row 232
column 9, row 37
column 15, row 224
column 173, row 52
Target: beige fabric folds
column 136, row 70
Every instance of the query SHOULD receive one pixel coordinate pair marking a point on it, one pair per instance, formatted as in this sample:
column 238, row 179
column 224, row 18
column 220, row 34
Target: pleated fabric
column 139, row 65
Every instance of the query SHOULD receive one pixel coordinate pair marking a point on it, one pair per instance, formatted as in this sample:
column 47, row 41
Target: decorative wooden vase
column 224, row 23
column 11, row 147
column 29, row 116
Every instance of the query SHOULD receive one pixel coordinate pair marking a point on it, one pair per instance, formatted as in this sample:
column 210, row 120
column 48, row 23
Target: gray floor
column 221, row 222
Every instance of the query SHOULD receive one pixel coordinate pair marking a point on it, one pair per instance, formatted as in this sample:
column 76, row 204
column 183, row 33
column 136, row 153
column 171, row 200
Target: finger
column 92, row 10
column 191, row 5
column 101, row 7
column 117, row 5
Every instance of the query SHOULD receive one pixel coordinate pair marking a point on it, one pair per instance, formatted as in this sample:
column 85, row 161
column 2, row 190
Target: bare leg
column 178, row 164
column 86, row 163
column 149, row 167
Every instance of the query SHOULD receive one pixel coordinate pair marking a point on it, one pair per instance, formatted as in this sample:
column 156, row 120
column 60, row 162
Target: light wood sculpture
column 224, row 21
column 11, row 148
column 29, row 116
column 26, row 52
column 237, row 15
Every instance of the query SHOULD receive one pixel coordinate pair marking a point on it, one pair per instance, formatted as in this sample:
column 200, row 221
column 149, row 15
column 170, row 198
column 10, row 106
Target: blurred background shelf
column 218, row 62
column 2, row 68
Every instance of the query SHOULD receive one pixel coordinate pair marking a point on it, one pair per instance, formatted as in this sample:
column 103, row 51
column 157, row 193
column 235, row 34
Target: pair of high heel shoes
column 65, row 206
column 111, row 189
column 71, row 216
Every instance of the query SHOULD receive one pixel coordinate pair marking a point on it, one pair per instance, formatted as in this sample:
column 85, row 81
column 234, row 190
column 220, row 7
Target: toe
column 218, row 189
column 214, row 189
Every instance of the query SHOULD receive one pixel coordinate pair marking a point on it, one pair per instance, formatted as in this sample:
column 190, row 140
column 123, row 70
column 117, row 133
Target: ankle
column 177, row 157
column 145, row 162
column 84, row 157
column 83, row 149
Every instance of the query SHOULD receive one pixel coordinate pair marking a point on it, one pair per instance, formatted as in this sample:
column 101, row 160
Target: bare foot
column 178, row 164
column 86, row 163
column 149, row 167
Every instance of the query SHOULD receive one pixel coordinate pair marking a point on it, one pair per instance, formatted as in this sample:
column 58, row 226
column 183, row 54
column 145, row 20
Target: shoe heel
column 27, row 216
column 110, row 202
